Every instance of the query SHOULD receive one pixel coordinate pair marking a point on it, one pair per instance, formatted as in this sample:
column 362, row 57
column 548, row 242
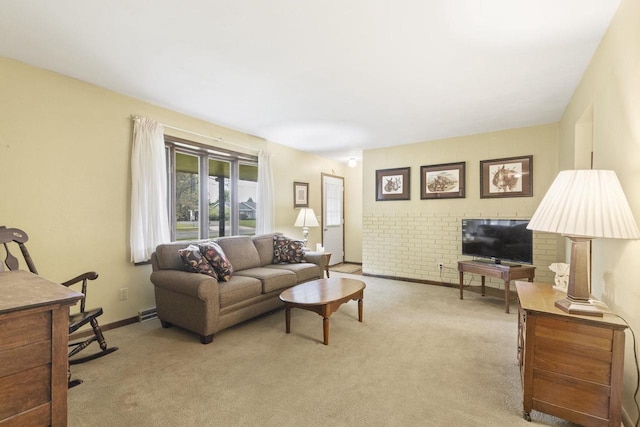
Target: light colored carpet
column 346, row 268
column 421, row 357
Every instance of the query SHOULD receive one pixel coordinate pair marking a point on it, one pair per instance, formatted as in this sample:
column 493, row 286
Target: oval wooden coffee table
column 323, row 296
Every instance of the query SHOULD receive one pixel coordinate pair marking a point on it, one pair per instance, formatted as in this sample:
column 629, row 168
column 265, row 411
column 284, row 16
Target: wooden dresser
column 571, row 366
column 34, row 334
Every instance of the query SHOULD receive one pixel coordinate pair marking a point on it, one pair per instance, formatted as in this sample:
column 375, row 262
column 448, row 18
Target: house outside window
column 219, row 183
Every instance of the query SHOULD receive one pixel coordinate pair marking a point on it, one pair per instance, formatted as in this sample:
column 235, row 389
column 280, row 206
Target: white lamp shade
column 587, row 203
column 306, row 218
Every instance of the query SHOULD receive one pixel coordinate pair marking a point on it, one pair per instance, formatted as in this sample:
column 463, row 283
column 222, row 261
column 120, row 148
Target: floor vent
column 147, row 314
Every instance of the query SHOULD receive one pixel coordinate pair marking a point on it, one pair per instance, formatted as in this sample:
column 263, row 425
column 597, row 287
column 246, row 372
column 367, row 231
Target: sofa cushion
column 272, row 279
column 240, row 251
column 195, row 262
column 287, row 250
column 264, row 245
column 213, row 253
column 304, row 271
column 168, row 257
column 237, row 289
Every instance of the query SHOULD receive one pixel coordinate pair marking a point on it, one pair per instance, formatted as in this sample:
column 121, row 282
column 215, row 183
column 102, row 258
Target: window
column 219, row 183
column 333, row 200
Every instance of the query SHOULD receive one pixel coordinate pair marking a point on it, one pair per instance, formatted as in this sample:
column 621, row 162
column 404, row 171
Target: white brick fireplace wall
column 410, row 246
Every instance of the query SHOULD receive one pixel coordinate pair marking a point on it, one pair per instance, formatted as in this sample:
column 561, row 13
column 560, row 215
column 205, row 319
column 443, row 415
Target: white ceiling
column 332, row 77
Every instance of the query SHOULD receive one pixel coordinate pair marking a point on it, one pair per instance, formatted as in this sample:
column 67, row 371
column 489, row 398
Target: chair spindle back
column 19, row 237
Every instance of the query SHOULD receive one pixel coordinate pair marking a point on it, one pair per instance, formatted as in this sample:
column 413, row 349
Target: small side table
column 327, row 256
column 499, row 271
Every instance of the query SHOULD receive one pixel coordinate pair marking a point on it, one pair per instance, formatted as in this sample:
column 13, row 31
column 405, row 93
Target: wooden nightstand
column 571, row 366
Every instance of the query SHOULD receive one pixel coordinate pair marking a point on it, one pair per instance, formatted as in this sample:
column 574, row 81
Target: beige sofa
column 204, row 305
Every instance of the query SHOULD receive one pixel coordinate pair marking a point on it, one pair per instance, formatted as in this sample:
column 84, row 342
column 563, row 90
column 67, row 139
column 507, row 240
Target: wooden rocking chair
column 76, row 320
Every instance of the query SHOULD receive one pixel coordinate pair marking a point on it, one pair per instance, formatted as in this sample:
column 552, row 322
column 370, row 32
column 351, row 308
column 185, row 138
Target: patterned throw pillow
column 193, row 260
column 218, row 260
column 288, row 251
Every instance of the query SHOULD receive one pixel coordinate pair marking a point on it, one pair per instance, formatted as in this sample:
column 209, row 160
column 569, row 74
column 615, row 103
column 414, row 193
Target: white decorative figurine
column 562, row 275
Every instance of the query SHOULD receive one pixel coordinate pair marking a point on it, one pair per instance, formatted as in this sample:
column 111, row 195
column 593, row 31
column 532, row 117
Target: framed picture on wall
column 445, row 181
column 509, row 177
column 300, row 195
column 392, row 184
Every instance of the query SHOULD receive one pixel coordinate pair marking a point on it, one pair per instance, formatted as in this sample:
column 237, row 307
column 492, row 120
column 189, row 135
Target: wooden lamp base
column 578, row 290
column 582, row 308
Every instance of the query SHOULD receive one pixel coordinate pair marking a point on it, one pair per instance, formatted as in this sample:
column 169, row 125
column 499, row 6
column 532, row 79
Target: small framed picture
column 392, row 184
column 445, row 181
column 509, row 177
column 300, row 195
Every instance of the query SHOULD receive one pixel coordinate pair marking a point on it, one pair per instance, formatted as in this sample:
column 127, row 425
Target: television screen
column 498, row 239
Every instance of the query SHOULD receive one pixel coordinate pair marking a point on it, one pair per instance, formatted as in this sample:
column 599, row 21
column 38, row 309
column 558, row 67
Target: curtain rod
column 214, row 138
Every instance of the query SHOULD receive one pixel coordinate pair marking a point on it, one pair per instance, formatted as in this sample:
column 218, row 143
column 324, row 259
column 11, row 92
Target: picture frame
column 507, row 177
column 393, row 184
column 300, row 194
column 443, row 181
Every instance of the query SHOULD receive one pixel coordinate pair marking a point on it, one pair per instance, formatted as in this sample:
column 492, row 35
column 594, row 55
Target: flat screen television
column 498, row 240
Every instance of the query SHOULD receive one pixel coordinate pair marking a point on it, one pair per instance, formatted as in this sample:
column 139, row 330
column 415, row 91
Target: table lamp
column 583, row 205
column 306, row 218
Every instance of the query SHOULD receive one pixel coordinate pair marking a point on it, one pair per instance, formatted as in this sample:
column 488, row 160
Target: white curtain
column 265, row 215
column 149, row 218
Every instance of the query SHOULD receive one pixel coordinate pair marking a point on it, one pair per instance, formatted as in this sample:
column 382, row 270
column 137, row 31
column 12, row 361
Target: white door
column 333, row 217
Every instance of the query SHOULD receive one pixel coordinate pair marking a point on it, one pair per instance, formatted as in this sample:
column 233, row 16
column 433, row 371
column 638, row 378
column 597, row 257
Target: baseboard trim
column 489, row 291
column 105, row 327
column 406, row 279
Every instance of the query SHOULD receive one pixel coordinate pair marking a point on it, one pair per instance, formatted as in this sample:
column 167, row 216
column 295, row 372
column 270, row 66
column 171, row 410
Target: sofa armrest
column 192, row 284
column 318, row 258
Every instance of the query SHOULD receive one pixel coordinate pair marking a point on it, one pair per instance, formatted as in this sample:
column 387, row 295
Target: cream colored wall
column 311, row 172
column 307, row 169
column 65, row 174
column 353, row 214
column 408, row 238
column 611, row 86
